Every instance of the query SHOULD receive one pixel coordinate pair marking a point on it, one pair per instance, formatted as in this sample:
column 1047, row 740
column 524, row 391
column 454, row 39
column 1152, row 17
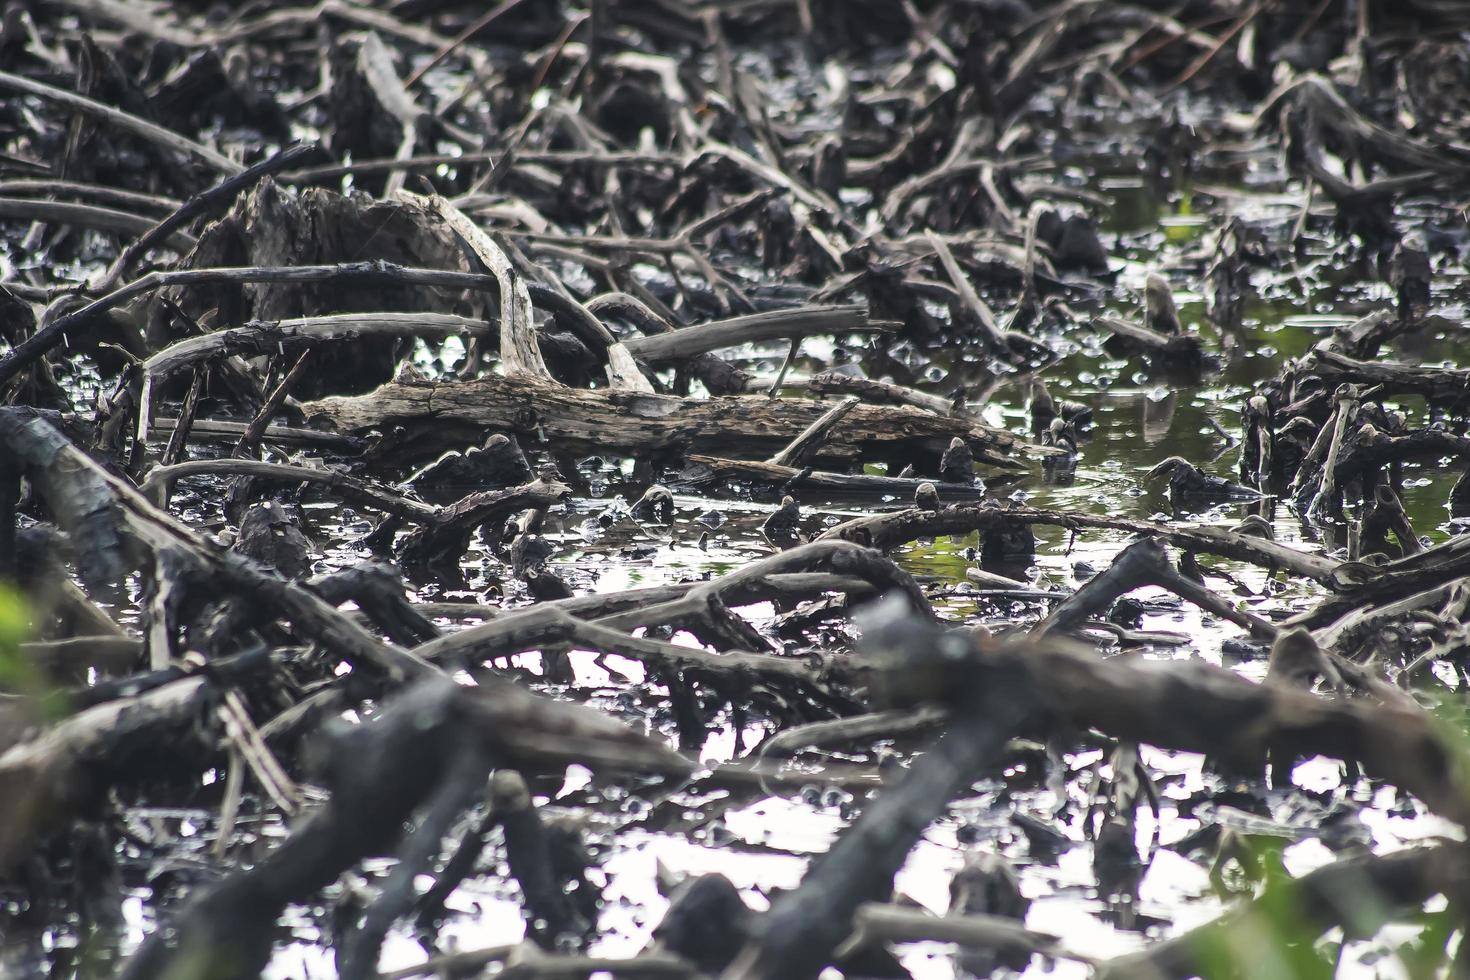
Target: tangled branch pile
column 822, row 254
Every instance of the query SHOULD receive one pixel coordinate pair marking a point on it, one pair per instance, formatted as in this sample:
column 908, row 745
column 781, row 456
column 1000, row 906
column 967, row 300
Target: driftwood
column 356, row 489
column 77, row 492
column 66, row 659
column 379, row 592
column 718, row 376
column 838, row 557
column 804, row 928
column 1196, row 707
column 809, row 440
column 890, row 530
column 88, row 216
column 423, row 738
column 1183, row 349
column 446, row 533
column 278, row 336
column 274, row 434
column 1145, row 562
column 205, row 202
column 57, row 332
column 548, row 626
column 596, row 419
column 689, row 342
column 1395, row 378
column 50, row 777
column 878, row 392
column 122, row 120
column 893, row 924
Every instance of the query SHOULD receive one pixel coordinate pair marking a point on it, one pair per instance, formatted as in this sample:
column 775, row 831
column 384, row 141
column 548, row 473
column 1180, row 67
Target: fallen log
column 886, row 531
column 599, row 420
column 45, row 780
column 1192, row 706
column 1395, row 377
column 379, row 773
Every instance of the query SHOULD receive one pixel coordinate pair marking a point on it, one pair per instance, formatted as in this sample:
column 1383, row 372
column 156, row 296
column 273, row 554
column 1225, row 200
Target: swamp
column 734, row 488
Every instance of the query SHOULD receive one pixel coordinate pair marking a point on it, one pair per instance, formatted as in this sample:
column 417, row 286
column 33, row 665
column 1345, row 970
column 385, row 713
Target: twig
column 813, row 436
column 249, row 445
column 87, row 216
column 479, row 24
column 1207, row 56
column 892, row 924
column 352, row 488
column 122, row 120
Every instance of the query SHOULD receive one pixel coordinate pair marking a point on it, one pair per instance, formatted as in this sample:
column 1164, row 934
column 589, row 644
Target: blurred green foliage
column 19, row 673
column 14, row 628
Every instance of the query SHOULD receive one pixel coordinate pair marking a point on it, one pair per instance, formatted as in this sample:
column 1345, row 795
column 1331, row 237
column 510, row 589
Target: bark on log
column 380, row 772
column 1196, row 707
column 1448, row 385
column 600, row 420
column 886, row 531
column 77, row 495
column 44, row 780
